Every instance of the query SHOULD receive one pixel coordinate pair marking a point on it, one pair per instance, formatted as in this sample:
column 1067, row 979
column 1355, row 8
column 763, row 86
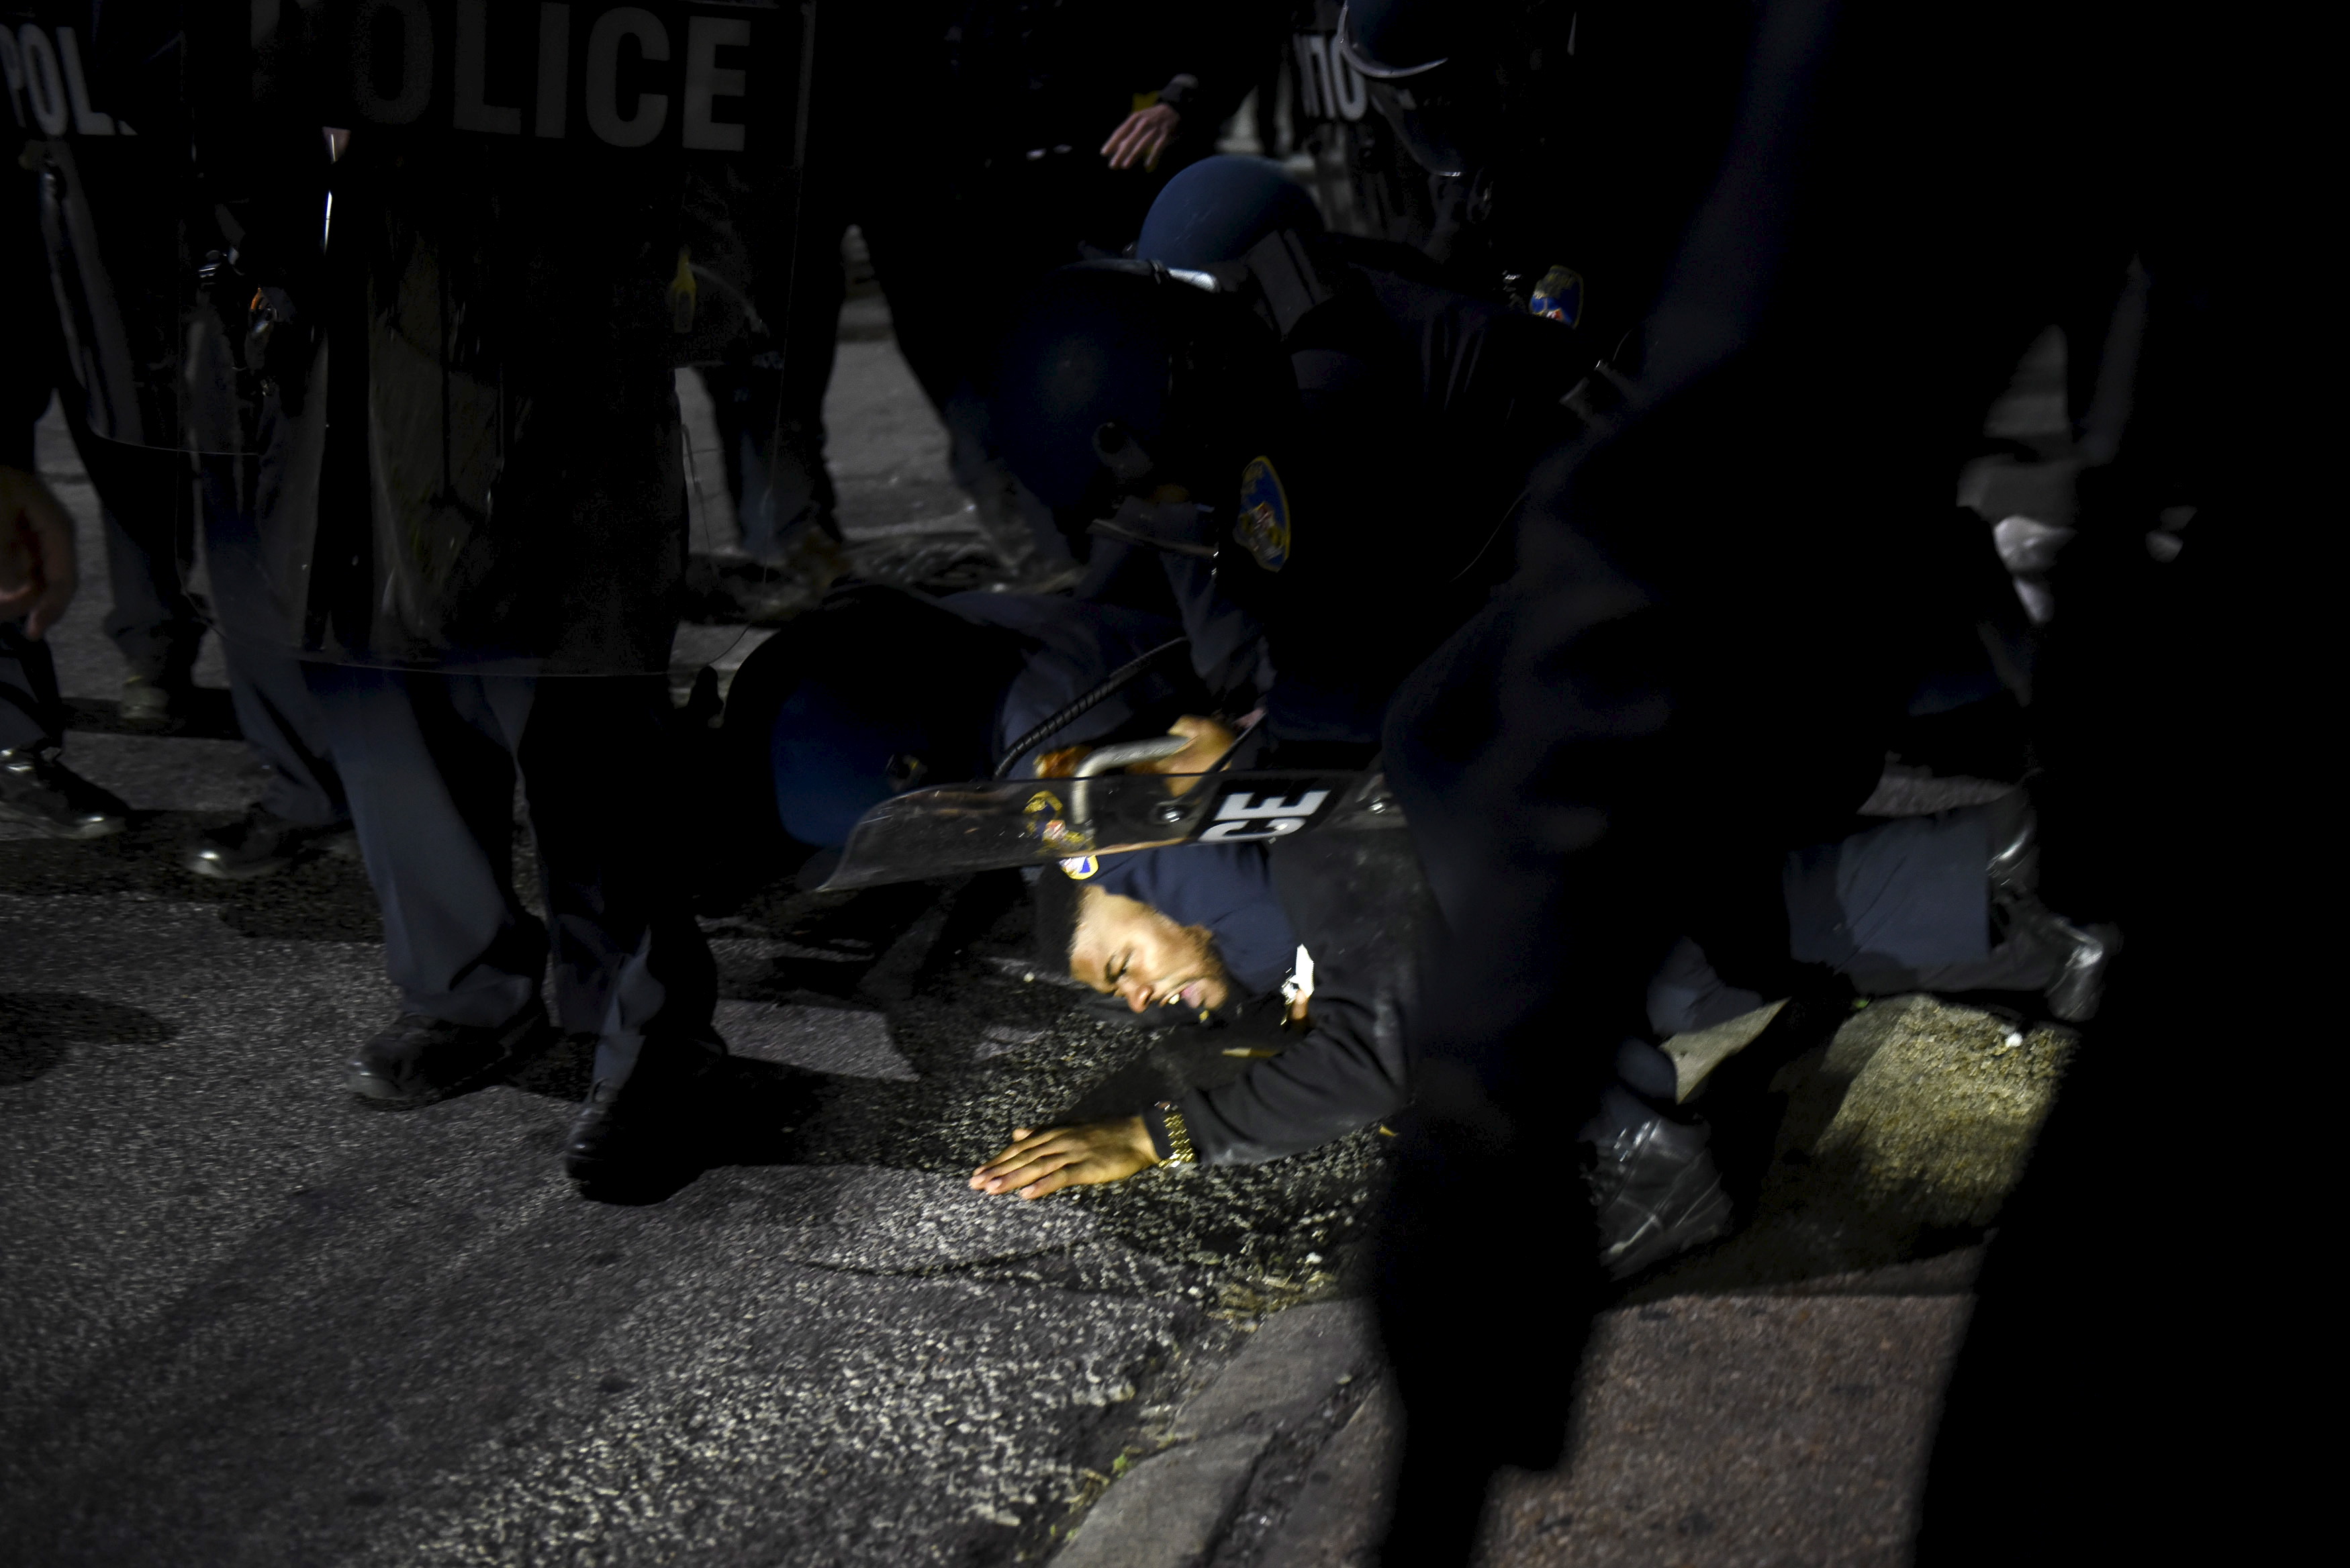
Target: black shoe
column 638, row 1125
column 156, row 701
column 42, row 791
column 2080, row 955
column 1654, row 1184
column 419, row 1060
column 261, row 844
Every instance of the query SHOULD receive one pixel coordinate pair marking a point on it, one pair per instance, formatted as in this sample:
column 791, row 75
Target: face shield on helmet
column 1425, row 80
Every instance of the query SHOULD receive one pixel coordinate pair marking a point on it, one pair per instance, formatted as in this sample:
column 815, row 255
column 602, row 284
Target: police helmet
column 1429, row 75
column 874, row 692
column 1219, row 207
column 1116, row 378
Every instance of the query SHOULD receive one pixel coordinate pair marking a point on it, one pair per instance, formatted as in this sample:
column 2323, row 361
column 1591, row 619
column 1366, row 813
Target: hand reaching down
column 1141, row 137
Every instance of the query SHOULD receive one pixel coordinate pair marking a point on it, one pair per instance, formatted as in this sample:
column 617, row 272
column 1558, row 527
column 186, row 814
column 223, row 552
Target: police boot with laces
column 41, row 792
column 638, row 1121
column 1653, row 1182
column 419, row 1061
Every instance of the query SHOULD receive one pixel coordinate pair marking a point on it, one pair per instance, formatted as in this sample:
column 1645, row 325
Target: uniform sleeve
column 1359, row 904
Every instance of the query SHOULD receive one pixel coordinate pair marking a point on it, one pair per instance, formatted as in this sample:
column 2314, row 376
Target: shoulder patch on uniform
column 1078, row 867
column 1559, row 296
column 1263, row 527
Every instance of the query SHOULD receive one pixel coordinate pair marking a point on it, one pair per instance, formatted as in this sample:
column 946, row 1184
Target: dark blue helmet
column 1219, row 207
column 1116, row 378
column 874, row 692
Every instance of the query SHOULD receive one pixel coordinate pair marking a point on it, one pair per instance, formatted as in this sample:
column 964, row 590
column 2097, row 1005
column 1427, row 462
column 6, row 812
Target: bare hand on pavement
column 1041, row 1162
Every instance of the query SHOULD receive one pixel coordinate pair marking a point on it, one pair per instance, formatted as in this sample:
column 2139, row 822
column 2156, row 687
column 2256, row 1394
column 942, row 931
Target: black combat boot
column 638, row 1122
column 1655, row 1186
column 41, row 792
column 420, row 1061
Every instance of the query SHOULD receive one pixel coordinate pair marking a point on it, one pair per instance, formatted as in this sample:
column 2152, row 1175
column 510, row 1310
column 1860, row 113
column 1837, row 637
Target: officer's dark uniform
column 570, row 552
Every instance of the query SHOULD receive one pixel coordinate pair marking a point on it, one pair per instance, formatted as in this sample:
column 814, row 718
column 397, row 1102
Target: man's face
column 1126, row 947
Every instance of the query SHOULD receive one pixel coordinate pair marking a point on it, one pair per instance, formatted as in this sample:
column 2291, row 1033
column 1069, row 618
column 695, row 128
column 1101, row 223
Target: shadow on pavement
column 39, row 1028
column 320, row 898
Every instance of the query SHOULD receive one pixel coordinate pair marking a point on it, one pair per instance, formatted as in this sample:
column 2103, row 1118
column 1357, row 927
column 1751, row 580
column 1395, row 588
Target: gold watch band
column 1178, row 1136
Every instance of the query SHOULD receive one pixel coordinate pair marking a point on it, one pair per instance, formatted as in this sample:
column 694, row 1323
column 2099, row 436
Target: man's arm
column 1360, row 906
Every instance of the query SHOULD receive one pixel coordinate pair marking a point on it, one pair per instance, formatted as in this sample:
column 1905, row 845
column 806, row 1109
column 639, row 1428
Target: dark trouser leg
column 941, row 341
column 771, row 416
column 431, row 778
column 29, row 709
column 929, row 323
column 630, row 962
column 283, row 726
column 149, row 529
column 275, row 710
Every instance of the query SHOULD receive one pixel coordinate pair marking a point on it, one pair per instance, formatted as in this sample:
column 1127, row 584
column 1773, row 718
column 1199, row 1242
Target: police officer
column 1328, row 446
column 472, row 531
column 1568, row 143
column 106, row 211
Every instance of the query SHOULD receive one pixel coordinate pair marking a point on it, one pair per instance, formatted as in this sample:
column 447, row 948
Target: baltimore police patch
column 1559, row 296
column 1263, row 527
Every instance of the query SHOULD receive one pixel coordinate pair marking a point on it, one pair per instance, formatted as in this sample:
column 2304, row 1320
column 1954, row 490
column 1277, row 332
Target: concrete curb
column 1270, row 1461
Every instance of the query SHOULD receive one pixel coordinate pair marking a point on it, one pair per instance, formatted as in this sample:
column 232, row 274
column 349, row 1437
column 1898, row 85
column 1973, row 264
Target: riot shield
column 1366, row 183
column 407, row 281
column 986, row 826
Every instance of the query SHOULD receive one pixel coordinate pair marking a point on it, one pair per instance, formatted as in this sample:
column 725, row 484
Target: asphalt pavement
column 253, row 1322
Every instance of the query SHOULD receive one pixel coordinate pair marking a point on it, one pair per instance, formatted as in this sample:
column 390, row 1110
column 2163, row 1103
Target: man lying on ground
column 1946, row 902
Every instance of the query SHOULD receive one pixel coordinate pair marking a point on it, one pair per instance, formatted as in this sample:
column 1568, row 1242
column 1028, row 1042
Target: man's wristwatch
column 1167, row 1131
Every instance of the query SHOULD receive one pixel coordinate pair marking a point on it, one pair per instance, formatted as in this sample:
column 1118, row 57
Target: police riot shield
column 1072, row 821
column 1366, row 182
column 407, row 282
